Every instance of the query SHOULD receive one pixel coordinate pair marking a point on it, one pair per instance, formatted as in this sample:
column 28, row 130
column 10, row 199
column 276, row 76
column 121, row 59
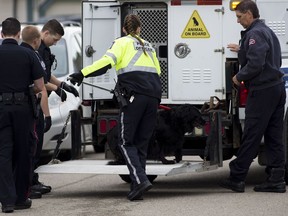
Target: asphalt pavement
column 185, row 194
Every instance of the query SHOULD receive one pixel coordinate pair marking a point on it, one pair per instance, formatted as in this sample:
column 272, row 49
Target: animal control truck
column 190, row 38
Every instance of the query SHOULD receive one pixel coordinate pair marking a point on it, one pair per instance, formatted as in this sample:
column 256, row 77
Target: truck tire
column 98, row 148
column 126, row 178
column 228, row 153
column 65, row 155
column 99, row 144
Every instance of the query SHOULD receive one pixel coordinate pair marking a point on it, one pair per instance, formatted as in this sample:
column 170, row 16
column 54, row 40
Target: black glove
column 47, row 123
column 76, row 78
column 70, row 89
column 61, row 93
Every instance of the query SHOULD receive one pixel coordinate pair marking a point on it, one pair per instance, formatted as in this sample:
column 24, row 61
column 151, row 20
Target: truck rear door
column 196, row 31
column 101, row 25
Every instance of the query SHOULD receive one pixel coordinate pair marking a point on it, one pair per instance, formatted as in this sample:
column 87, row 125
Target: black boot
column 40, row 187
column 274, row 183
column 138, row 190
column 233, row 185
column 132, row 186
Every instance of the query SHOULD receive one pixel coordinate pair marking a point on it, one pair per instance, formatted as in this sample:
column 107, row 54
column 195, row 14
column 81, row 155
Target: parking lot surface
column 185, row 194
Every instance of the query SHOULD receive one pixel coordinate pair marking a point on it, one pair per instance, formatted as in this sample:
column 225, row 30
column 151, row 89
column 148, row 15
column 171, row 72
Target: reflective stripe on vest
column 131, row 66
column 111, row 55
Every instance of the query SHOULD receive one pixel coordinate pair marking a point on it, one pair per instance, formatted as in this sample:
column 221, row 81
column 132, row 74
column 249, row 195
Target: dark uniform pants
column 264, row 116
column 39, row 146
column 136, row 125
column 15, row 152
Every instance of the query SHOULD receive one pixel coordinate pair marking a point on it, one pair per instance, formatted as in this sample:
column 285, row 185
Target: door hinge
column 221, row 10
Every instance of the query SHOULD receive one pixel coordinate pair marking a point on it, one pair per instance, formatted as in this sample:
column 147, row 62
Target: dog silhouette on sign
column 195, row 21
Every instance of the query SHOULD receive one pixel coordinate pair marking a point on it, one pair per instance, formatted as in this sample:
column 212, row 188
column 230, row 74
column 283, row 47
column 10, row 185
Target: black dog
column 168, row 136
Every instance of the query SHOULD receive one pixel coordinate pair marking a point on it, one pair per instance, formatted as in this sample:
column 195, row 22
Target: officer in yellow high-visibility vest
column 138, row 73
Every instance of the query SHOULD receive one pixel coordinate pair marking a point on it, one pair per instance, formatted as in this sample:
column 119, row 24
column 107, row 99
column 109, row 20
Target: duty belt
column 13, row 98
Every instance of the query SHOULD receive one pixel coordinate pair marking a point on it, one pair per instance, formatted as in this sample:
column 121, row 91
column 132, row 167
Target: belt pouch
column 7, row 98
column 19, row 98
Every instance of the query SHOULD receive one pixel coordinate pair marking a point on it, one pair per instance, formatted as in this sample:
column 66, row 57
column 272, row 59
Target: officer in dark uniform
column 19, row 68
column 51, row 33
column 138, row 73
column 31, row 39
column 260, row 59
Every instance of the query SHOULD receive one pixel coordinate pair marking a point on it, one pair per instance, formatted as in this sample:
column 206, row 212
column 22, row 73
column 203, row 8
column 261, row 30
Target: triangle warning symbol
column 195, row 28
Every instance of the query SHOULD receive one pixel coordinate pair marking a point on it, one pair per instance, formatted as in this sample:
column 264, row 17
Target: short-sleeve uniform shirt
column 19, row 66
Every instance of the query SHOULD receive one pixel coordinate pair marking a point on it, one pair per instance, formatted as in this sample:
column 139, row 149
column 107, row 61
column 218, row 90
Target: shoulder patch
column 251, row 41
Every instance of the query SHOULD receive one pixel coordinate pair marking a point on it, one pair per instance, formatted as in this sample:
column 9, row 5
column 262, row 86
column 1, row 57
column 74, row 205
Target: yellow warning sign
column 195, row 28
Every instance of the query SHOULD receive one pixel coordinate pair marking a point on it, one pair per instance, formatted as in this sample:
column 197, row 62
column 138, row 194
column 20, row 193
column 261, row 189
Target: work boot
column 274, row 183
column 233, row 185
column 138, row 190
column 7, row 208
column 40, row 187
column 139, row 197
column 35, row 194
column 23, row 205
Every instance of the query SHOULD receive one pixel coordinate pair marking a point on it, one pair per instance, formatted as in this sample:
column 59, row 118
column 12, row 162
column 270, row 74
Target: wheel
column 152, row 177
column 99, row 143
column 64, row 155
column 227, row 154
column 98, row 148
column 126, row 178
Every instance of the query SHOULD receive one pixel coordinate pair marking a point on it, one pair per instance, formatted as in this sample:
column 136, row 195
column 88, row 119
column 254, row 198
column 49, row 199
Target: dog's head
column 189, row 116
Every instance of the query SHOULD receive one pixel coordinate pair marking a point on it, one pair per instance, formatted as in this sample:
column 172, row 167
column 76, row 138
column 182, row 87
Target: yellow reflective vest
column 137, row 71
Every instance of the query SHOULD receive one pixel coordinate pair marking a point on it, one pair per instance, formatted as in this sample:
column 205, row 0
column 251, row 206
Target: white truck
column 190, row 38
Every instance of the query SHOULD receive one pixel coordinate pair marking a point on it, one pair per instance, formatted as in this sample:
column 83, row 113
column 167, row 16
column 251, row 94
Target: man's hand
column 47, row 123
column 233, row 47
column 236, row 81
column 61, row 93
column 70, row 89
column 76, row 78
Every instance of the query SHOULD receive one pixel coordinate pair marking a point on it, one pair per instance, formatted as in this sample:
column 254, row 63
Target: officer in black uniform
column 31, row 39
column 19, row 68
column 51, row 33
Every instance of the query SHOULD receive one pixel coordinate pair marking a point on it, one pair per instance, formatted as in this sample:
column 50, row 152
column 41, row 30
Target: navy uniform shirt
column 259, row 57
column 47, row 57
column 18, row 67
column 23, row 44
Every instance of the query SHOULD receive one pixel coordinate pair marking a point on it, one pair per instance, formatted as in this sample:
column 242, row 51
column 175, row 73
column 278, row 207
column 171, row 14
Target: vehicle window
column 60, row 65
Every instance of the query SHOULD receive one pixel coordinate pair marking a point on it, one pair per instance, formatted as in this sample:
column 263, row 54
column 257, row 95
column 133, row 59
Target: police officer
column 19, row 68
column 260, row 59
column 31, row 39
column 138, row 73
column 51, row 33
